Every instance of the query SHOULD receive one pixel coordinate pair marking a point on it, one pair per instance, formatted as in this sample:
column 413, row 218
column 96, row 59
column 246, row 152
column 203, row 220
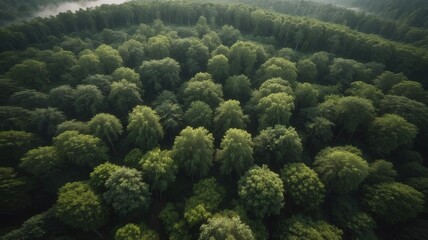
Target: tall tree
column 199, row 114
column 124, row 96
column 194, row 150
column 31, row 73
column 109, row 58
column 42, row 162
column 144, row 128
column 229, row 115
column 106, row 127
column 222, row 227
column 261, row 191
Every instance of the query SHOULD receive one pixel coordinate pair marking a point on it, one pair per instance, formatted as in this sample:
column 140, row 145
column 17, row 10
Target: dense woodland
column 190, row 120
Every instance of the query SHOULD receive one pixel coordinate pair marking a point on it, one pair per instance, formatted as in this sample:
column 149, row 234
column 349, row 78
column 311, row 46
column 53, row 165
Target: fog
column 52, row 10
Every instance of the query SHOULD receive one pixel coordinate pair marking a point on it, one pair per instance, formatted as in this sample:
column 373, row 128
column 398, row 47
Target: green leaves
column 261, row 191
column 222, row 227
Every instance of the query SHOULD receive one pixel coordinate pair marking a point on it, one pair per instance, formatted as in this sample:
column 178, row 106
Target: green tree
column 306, row 95
column 100, row 174
column 245, row 57
column 78, row 206
column 158, row 47
column 278, row 145
column 229, row 115
column 109, row 58
column 72, row 125
column 15, row 192
column 201, row 26
column 124, row 96
column 218, row 67
column 352, row 112
column 126, row 191
column 381, row 171
column 197, row 56
column 171, row 116
column 45, row 120
column 89, row 100
column 304, row 228
column 42, row 162
column 101, row 81
column 106, row 127
column 160, row 74
column 238, row 87
column 158, row 168
column 307, row 71
column 364, row 90
column 199, row 114
column 387, row 80
column 62, row 97
column 31, row 73
column 275, row 109
column 13, row 144
column 81, row 149
column 133, row 157
column 128, row 232
column 340, row 170
column 206, row 91
column 29, row 99
column 303, row 186
column 194, row 150
column 409, row 89
column 236, row 152
column 222, row 227
column 229, row 35
column 393, row 202
column 277, row 68
column 16, row 118
column 144, row 128
column 261, row 191
column 127, row 74
column 388, row 132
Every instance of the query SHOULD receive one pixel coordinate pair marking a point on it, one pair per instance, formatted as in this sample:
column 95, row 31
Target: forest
column 214, row 120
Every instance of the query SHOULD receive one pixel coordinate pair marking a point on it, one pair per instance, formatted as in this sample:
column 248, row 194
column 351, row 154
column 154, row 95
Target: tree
column 197, row 56
column 206, row 91
column 194, row 151
column 229, row 35
column 128, row 232
column 101, row 174
column 29, row 99
column 80, row 149
column 126, row 191
column 340, row 170
column 364, row 90
column 63, row 98
column 275, row 109
column 201, row 26
column 45, row 120
column 158, row 47
column 409, row 89
column 88, row 64
column 132, row 53
column 42, row 162
column 306, row 95
column 109, row 58
column 171, row 116
column 160, row 74
column 302, row 185
column 238, row 87
column 277, row 68
column 101, row 81
column 261, row 191
column 127, row 74
column 199, row 114
column 16, row 118
column 158, row 169
column 304, row 228
column 381, row 171
column 144, row 128
column 353, row 112
column 124, row 96
column 393, row 202
column 13, row 144
column 15, row 192
column 245, row 57
column 236, row 152
column 345, row 71
column 30, row 73
column 388, row 132
column 222, row 227
column 229, row 115
column 88, row 101
column 78, row 206
column 387, row 80
column 133, row 157
column 413, row 111
column 278, row 145
column 72, row 125
column 106, row 127
column 218, row 67
column 275, row 85
column 307, row 71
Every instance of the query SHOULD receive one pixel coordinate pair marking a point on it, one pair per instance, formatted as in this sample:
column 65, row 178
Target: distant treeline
column 411, row 12
column 10, row 10
column 299, row 33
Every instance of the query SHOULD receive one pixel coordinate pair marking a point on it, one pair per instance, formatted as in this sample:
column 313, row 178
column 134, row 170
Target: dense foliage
column 190, row 120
